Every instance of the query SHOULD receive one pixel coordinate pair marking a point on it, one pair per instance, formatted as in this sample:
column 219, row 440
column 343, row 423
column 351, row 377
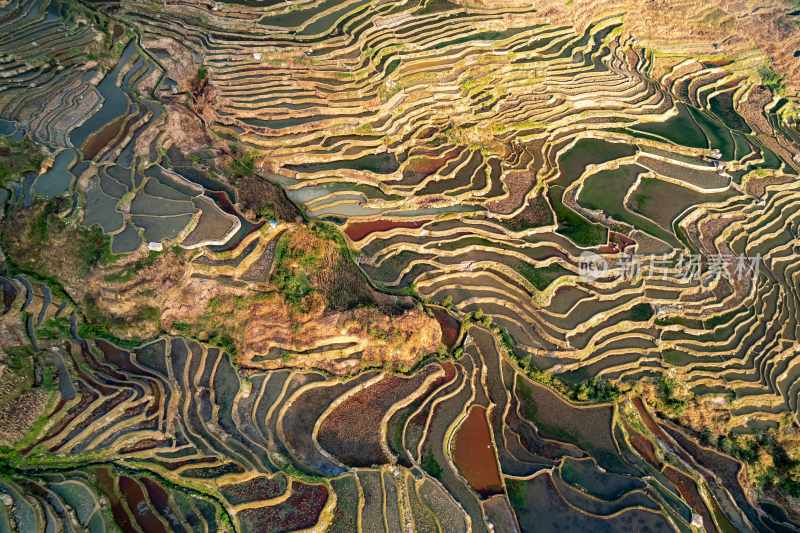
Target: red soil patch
column 157, row 495
column 300, row 511
column 619, row 240
column 351, row 432
column 608, row 249
column 258, row 488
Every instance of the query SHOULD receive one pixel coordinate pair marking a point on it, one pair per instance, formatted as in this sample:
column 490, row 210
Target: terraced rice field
column 466, row 158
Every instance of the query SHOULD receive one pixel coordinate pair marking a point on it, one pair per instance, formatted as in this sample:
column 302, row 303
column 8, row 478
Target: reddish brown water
column 474, row 453
column 105, row 480
column 450, row 327
column 138, row 506
column 101, row 139
column 425, row 166
column 449, row 372
column 223, row 201
column 645, row 448
column 358, row 230
column 157, row 495
column 688, row 489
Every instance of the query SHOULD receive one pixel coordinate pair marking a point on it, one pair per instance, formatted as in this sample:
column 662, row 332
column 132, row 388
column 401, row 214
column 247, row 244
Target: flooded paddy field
column 473, row 453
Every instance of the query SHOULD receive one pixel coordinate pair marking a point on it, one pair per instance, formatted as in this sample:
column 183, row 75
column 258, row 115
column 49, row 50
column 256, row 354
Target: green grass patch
column 54, row 329
column 640, row 201
column 40, row 227
column 668, row 400
column 42, row 244
column 94, row 331
column 771, row 79
column 769, row 463
column 293, row 286
column 95, row 325
column 432, row 466
column 130, row 271
column 267, row 213
column 294, row 267
column 18, row 158
column 49, row 378
column 182, row 327
column 329, row 232
column 95, row 248
column 294, row 472
column 243, row 163
column 541, row 277
column 222, row 341
column 594, row 390
column 719, row 320
column 98, row 325
column 517, row 492
column 641, row 312
column 676, row 357
column 574, row 226
column 19, row 358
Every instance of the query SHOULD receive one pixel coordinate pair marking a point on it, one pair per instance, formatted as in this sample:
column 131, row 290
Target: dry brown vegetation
column 31, row 235
column 686, row 29
column 260, row 198
column 316, row 297
column 17, row 417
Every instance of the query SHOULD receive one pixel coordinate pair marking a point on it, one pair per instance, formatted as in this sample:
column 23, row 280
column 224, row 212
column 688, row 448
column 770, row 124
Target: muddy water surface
column 474, row 453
